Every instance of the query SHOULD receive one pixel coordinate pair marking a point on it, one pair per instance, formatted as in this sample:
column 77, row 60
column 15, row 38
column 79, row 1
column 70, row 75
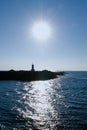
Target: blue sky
column 66, row 49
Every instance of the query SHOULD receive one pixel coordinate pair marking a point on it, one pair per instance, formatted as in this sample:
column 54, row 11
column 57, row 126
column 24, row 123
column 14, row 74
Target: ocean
column 57, row 104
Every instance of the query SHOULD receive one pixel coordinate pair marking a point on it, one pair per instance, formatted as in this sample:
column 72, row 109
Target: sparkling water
column 58, row 104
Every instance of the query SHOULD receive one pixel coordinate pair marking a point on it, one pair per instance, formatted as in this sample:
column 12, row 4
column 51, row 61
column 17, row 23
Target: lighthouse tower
column 32, row 67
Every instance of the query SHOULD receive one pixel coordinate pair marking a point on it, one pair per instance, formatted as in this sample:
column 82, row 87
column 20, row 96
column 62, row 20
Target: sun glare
column 41, row 31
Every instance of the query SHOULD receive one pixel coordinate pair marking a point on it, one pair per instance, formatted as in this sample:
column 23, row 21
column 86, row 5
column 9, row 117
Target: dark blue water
column 59, row 104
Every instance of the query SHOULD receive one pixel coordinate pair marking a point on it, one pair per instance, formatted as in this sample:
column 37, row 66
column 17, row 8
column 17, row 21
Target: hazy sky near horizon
column 66, row 48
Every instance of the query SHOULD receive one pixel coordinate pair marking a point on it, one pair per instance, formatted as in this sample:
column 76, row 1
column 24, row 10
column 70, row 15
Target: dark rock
column 28, row 75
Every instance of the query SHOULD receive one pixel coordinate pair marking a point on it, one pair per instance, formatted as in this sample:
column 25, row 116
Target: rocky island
column 31, row 75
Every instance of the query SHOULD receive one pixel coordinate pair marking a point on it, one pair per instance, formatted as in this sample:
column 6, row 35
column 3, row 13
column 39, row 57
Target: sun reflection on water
column 38, row 99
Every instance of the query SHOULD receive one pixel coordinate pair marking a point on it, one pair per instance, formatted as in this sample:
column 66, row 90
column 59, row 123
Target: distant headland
column 30, row 75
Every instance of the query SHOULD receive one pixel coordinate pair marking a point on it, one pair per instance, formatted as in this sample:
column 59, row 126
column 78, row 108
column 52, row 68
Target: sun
column 41, row 31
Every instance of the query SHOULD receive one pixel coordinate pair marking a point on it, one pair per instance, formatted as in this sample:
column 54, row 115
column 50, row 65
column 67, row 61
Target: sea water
column 58, row 104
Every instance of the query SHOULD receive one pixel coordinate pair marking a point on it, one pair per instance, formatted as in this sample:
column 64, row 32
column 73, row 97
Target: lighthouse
column 32, row 67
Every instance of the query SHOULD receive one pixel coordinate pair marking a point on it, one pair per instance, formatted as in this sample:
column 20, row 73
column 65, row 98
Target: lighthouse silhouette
column 32, row 67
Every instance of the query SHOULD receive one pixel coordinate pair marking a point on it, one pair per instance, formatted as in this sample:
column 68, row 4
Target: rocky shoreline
column 29, row 75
